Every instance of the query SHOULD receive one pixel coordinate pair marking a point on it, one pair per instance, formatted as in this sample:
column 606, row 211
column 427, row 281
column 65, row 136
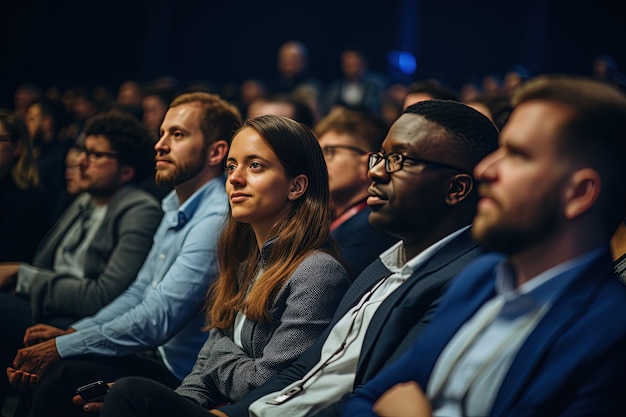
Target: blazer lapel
column 46, row 252
column 562, row 315
column 470, row 291
column 364, row 282
column 444, row 257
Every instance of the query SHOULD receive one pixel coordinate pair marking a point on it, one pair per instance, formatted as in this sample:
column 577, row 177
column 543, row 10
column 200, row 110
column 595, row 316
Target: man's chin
column 165, row 181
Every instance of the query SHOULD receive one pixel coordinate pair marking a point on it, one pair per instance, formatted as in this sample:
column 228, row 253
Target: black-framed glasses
column 395, row 161
column 94, row 156
column 331, row 150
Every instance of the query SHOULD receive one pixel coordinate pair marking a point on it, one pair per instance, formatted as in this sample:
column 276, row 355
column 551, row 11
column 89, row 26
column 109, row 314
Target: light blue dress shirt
column 162, row 306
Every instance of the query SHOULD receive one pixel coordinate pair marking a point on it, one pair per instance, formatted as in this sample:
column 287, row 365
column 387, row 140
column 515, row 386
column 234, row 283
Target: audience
column 281, row 105
column 347, row 138
column 24, row 217
column 25, row 95
column 535, row 329
column 280, row 280
column 154, row 104
column 420, row 199
column 43, row 122
column 358, row 86
column 34, row 194
column 92, row 254
column 428, row 89
column 74, row 184
column 154, row 327
column 293, row 77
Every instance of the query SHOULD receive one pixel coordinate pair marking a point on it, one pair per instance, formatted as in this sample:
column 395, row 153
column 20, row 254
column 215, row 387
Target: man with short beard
column 537, row 330
column 154, row 329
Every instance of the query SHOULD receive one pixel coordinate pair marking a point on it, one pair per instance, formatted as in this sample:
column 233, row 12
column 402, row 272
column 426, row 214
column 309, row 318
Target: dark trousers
column 144, row 397
column 57, row 385
column 15, row 318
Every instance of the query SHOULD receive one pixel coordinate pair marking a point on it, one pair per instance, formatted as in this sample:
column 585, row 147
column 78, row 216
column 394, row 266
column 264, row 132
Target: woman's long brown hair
column 305, row 228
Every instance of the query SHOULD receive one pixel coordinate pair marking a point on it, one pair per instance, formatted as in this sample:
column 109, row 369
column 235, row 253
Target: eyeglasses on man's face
column 331, row 150
column 94, row 156
column 395, row 161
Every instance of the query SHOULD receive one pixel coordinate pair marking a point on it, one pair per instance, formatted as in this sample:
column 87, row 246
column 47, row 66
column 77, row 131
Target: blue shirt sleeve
column 169, row 289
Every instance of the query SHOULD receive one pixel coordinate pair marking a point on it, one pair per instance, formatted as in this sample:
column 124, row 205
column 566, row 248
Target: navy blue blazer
column 572, row 364
column 396, row 323
column 359, row 243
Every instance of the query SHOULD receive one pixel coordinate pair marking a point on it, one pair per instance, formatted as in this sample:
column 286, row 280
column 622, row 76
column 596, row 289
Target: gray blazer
column 401, row 317
column 300, row 312
column 113, row 259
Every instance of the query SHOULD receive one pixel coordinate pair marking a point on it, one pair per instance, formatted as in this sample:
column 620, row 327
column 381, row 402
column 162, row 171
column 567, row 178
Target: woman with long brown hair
column 280, row 276
column 24, row 214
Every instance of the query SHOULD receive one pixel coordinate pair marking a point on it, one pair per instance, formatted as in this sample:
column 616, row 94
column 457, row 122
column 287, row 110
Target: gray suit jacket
column 113, row 258
column 397, row 322
column 300, row 312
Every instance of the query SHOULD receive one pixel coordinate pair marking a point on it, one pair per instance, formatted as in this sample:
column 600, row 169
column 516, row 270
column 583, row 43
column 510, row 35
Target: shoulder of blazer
column 131, row 195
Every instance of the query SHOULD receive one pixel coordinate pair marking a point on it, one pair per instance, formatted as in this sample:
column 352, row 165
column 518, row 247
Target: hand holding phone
column 94, row 391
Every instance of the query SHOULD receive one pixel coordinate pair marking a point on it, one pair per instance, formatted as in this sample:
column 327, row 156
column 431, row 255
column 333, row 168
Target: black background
column 66, row 43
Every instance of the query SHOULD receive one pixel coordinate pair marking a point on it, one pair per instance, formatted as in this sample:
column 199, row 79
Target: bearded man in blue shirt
column 154, row 328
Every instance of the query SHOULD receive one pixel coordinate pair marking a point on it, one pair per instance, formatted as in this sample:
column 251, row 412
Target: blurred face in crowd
column 261, row 107
column 181, row 152
column 33, row 119
column 73, row 182
column 291, row 60
column 352, row 65
column 346, row 161
column 153, row 112
column 100, row 171
column 9, row 150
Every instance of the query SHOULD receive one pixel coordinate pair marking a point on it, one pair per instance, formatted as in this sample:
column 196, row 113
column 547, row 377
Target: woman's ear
column 460, row 187
column 299, row 184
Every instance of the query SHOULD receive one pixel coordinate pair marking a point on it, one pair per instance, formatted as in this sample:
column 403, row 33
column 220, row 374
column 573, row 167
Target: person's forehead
column 416, row 134
column 100, row 142
column 535, row 124
column 187, row 113
column 334, row 137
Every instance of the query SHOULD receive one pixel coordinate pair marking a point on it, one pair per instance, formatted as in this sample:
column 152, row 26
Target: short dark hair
column 435, row 88
column 128, row 138
column 475, row 133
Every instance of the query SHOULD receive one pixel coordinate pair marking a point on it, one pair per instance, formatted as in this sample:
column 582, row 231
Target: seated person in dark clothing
column 347, row 137
column 23, row 215
column 93, row 253
column 422, row 192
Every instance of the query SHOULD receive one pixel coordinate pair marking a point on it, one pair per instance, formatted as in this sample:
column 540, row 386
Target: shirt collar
column 393, row 258
column 179, row 214
column 549, row 284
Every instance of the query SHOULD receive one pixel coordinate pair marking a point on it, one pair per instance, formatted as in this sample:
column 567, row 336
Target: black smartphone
column 94, row 391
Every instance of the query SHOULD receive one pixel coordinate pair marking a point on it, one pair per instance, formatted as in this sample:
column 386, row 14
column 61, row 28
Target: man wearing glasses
column 94, row 251
column 421, row 192
column 347, row 137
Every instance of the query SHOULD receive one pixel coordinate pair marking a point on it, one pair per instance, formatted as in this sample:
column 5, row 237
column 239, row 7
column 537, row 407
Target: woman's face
column 259, row 190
